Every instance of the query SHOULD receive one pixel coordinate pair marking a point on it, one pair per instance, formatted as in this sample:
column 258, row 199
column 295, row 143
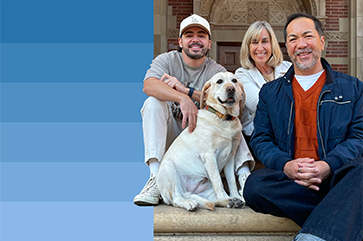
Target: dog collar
column 220, row 115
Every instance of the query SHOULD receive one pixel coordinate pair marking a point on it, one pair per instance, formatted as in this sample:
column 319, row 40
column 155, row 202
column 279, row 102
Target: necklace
column 269, row 77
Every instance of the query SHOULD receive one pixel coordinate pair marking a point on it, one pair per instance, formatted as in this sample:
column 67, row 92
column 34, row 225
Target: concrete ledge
column 171, row 220
column 225, row 238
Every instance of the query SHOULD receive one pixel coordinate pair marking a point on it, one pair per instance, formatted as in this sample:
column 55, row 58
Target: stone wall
column 336, row 28
column 342, row 20
column 179, row 10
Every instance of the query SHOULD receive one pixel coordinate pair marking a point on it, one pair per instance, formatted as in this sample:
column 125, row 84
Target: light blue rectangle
column 71, row 102
column 76, row 21
column 71, row 142
column 71, row 181
column 69, row 221
column 75, row 62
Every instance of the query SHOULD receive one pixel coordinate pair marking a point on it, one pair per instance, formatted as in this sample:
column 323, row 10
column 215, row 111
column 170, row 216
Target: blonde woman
column 262, row 61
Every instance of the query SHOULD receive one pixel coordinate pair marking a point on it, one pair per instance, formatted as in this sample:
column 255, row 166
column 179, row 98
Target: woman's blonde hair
column 254, row 32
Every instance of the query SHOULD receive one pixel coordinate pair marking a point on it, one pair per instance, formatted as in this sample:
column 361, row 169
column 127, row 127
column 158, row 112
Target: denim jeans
column 333, row 213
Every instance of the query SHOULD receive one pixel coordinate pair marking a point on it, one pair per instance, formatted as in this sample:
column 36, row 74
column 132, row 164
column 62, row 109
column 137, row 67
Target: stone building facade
column 229, row 19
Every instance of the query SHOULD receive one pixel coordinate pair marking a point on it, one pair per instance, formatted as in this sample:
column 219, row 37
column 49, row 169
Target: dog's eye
column 219, row 81
column 234, row 80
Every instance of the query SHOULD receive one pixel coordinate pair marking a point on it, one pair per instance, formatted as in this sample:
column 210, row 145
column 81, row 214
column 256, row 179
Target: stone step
column 171, row 223
column 218, row 237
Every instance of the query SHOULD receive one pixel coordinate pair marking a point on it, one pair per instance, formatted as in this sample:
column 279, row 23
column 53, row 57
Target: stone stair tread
column 225, row 238
column 169, row 219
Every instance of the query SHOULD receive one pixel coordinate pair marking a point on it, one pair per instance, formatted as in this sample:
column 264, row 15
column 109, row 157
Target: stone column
column 356, row 39
column 160, row 26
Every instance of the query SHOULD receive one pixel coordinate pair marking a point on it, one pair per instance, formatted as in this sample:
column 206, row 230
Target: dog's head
column 224, row 93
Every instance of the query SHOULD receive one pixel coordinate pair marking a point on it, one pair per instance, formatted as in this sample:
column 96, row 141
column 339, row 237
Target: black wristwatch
column 191, row 91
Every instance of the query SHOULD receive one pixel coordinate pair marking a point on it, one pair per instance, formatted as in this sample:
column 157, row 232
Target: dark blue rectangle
column 76, row 21
column 71, row 102
column 75, row 62
column 71, row 142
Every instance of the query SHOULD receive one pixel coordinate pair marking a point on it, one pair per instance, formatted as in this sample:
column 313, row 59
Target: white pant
column 160, row 129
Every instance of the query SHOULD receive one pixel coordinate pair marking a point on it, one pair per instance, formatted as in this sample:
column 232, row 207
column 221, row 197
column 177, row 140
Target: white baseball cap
column 194, row 21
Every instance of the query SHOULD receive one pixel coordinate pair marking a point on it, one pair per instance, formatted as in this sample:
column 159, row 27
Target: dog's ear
column 204, row 92
column 242, row 101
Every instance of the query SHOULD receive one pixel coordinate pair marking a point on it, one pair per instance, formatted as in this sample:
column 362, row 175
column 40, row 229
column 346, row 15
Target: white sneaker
column 242, row 180
column 149, row 195
column 307, row 237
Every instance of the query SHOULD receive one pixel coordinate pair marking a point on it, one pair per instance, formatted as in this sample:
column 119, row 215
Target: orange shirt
column 306, row 138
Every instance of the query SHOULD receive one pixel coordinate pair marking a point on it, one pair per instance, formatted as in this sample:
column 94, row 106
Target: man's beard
column 193, row 55
column 305, row 65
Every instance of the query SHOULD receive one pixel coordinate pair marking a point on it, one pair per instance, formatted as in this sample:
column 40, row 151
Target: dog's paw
column 192, row 207
column 189, row 205
column 235, row 203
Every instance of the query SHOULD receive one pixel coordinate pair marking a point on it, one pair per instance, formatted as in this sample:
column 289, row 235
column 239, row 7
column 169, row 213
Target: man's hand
column 307, row 172
column 189, row 111
column 174, row 83
column 187, row 106
column 291, row 167
column 312, row 175
column 161, row 90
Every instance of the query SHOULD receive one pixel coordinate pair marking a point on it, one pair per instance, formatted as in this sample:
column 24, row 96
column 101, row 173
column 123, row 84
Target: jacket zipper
column 318, row 116
column 288, row 130
column 339, row 103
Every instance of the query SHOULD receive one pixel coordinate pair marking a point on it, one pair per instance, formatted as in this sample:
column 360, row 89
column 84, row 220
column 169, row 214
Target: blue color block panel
column 76, row 21
column 69, row 221
column 71, row 181
column 75, row 62
column 71, row 102
column 71, row 149
column 71, row 142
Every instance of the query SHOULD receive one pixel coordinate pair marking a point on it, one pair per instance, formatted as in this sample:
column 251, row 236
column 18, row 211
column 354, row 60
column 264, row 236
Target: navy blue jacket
column 339, row 120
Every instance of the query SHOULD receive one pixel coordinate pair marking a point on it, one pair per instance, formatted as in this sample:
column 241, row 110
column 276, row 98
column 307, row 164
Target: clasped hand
column 307, row 172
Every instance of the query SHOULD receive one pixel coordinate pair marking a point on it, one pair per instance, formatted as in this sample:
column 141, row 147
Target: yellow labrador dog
column 189, row 174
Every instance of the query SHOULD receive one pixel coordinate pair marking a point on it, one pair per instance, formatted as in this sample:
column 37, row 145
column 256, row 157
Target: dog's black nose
column 230, row 90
